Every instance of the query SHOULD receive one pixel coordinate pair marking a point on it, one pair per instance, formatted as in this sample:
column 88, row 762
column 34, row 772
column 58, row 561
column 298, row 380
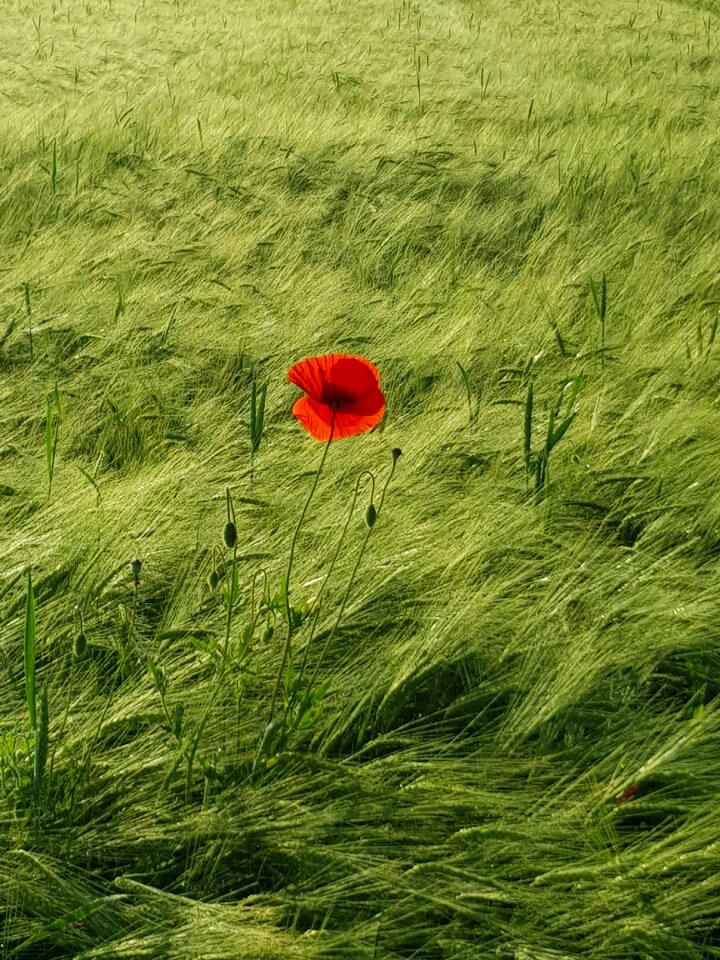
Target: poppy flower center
column 337, row 397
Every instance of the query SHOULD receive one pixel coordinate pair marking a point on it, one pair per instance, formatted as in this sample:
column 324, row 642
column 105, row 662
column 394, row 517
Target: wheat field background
column 512, row 748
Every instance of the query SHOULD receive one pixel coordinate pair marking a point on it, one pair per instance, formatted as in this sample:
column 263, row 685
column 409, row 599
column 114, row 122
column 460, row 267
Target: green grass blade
column 577, row 384
column 257, row 414
column 53, row 168
column 29, row 651
column 253, row 411
column 558, row 338
column 713, row 330
column 91, row 481
column 599, row 295
column 550, row 430
column 560, row 432
column 48, row 438
column 527, row 437
column 260, row 416
column 468, row 389
column 41, row 744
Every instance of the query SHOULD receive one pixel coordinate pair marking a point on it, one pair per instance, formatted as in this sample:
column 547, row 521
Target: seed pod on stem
column 80, row 641
column 230, row 531
column 79, row 645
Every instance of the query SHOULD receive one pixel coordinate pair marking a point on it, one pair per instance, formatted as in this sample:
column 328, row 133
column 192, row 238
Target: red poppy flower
column 343, row 395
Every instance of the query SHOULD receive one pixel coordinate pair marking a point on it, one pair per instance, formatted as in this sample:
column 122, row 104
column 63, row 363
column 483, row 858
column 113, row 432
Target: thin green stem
column 351, row 581
column 66, row 713
column 255, row 613
column 131, row 627
column 193, row 747
column 84, row 766
column 365, row 473
column 230, row 601
column 230, row 581
column 288, row 611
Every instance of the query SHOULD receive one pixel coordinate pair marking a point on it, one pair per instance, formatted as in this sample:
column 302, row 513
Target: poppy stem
column 365, row 473
column 288, row 609
column 351, row 581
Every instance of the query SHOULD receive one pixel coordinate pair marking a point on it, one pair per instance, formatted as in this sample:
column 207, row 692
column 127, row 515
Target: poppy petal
column 350, row 379
column 365, row 406
column 343, row 395
column 352, row 424
column 317, row 419
column 335, row 377
column 312, row 374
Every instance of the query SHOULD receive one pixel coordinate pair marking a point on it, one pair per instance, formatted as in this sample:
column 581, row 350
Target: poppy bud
column 230, row 535
column 79, row 645
column 371, row 515
column 397, row 452
column 135, row 567
column 268, row 634
column 213, row 579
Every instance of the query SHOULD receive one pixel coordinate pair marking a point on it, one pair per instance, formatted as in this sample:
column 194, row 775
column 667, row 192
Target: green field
column 498, row 734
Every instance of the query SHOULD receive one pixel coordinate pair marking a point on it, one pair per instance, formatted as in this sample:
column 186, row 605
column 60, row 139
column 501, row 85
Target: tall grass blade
column 52, row 433
column 558, row 338
column 551, row 429
column 257, row 414
column 29, row 652
column 28, row 314
column 539, row 473
column 560, row 432
column 527, row 435
column 53, row 167
column 713, row 330
column 253, row 405
column 92, row 482
column 42, row 739
column 599, row 295
column 48, row 441
column 260, row 416
column 468, row 390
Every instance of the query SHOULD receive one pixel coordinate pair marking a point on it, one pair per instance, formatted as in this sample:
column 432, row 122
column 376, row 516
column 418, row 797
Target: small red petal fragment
column 627, row 794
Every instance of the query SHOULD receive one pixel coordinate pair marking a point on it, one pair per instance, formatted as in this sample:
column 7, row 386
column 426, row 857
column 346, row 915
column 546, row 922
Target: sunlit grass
column 510, row 209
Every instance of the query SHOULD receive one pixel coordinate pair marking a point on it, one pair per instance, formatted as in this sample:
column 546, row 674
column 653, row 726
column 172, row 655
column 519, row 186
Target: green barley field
column 484, row 725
